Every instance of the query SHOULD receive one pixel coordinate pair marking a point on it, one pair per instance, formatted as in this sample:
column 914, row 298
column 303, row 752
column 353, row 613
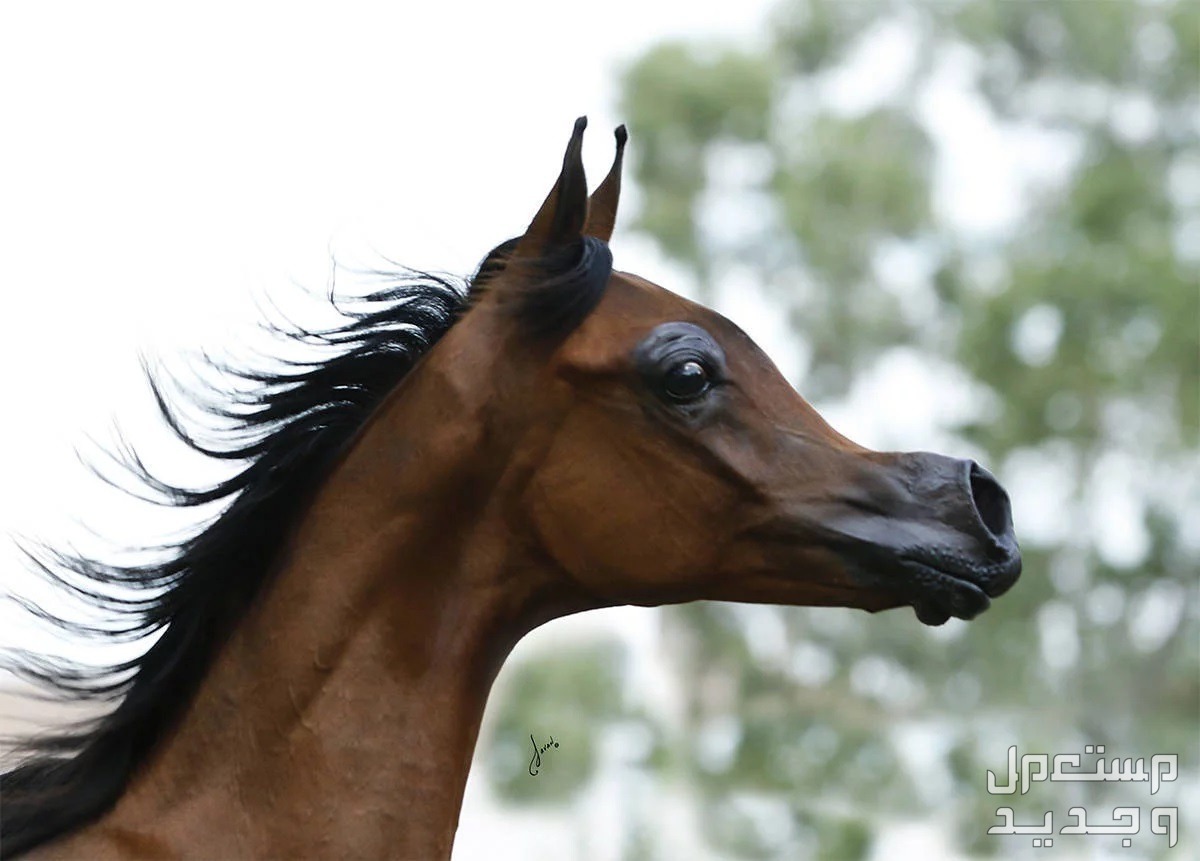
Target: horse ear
column 561, row 218
column 602, row 208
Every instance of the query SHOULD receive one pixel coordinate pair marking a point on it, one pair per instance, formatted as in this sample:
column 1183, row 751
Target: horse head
column 666, row 459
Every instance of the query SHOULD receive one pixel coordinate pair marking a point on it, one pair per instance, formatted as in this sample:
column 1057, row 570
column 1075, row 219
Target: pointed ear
column 560, row 220
column 602, row 208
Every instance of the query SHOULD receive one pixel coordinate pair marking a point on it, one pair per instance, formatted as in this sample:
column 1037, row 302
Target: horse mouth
column 938, row 589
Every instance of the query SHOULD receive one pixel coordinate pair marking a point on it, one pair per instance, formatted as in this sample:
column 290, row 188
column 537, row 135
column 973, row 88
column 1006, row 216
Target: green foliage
column 814, row 35
column 709, row 95
column 1102, row 258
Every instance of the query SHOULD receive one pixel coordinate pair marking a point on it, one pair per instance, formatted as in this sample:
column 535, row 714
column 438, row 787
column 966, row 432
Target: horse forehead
column 631, row 307
column 637, row 291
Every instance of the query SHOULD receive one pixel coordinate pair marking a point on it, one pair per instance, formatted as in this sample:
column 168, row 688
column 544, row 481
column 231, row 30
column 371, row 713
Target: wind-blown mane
column 288, row 426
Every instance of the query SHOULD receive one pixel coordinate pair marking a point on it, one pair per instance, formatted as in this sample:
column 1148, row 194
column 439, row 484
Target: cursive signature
column 535, row 764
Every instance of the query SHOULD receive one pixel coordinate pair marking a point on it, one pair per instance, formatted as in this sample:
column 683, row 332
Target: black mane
column 287, row 426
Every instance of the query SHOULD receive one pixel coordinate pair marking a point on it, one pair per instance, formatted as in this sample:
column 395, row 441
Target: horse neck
column 341, row 716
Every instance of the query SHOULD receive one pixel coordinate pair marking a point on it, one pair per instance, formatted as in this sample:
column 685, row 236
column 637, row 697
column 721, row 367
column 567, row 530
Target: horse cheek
column 630, row 527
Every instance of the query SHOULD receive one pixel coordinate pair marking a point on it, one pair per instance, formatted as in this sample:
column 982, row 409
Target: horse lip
column 943, row 585
column 993, row 579
column 936, row 595
column 937, row 581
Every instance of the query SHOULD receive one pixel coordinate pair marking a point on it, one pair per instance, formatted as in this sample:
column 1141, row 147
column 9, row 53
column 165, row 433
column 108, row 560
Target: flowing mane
column 288, row 426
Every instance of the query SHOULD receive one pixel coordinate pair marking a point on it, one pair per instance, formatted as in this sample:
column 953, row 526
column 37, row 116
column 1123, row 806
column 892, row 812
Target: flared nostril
column 991, row 502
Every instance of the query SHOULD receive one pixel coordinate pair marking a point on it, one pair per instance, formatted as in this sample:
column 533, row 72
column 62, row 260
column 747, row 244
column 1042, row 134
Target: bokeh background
column 966, row 226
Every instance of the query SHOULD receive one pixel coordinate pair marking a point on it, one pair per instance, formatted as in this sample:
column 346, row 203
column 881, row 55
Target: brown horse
column 464, row 465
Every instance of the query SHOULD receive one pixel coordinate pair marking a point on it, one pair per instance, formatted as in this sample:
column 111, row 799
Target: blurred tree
column 1077, row 317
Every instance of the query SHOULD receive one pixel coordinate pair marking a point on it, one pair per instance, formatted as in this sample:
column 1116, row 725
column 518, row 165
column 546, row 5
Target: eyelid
column 674, row 342
column 687, row 354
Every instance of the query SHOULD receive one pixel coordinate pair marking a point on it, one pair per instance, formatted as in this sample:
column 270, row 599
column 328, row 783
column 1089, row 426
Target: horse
column 466, row 461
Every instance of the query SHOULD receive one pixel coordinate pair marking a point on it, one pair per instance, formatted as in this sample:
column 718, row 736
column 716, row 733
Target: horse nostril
column 991, row 502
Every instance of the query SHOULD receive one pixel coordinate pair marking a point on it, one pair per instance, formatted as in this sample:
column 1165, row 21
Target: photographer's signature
column 535, row 764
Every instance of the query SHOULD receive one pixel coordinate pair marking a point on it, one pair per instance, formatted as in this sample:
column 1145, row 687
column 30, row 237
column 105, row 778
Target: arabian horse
column 464, row 463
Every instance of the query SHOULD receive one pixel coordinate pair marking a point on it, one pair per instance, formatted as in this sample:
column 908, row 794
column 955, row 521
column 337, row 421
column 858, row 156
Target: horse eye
column 686, row 381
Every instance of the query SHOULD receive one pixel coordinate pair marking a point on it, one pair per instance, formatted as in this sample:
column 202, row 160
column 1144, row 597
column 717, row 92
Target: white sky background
column 160, row 167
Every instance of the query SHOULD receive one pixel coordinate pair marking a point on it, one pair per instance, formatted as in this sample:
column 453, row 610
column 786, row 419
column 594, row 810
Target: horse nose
column 990, row 501
column 963, row 495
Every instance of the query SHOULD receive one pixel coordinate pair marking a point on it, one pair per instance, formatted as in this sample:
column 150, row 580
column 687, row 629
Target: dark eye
column 681, row 364
column 686, row 381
